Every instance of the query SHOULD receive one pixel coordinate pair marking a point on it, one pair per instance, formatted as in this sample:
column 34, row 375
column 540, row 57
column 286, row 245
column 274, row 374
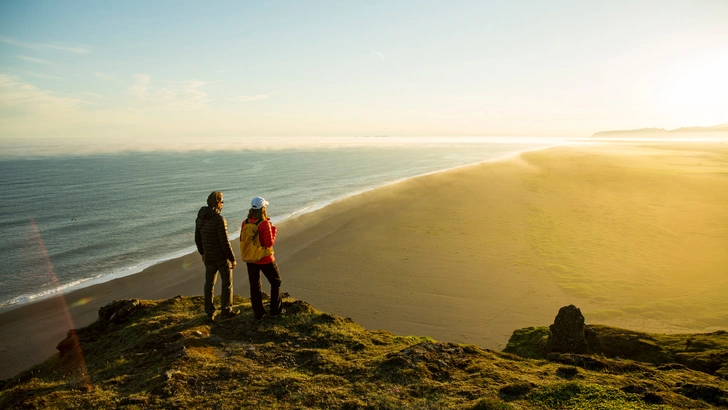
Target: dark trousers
column 226, row 274
column 270, row 270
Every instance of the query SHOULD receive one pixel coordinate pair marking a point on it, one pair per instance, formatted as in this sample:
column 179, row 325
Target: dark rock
column 653, row 398
column 170, row 374
column 585, row 362
column 215, row 340
column 593, row 344
column 567, row 332
column 567, row 372
column 118, row 310
column 105, row 312
column 709, row 362
column 705, row 341
column 134, row 400
column 70, row 346
column 252, row 353
column 634, row 389
column 632, row 345
column 515, row 390
column 327, row 318
column 379, row 342
column 672, row 366
column 396, row 360
column 598, row 363
column 287, row 360
column 709, row 394
column 125, row 310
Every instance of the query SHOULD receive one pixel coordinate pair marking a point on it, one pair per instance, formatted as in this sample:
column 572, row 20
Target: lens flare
column 81, row 302
column 51, row 272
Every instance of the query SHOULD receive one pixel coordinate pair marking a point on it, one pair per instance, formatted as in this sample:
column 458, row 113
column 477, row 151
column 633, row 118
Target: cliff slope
column 165, row 354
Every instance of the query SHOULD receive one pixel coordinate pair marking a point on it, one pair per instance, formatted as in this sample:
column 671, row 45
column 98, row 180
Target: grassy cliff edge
column 165, row 354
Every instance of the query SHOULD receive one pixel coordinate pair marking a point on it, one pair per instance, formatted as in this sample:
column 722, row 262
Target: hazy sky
column 113, row 69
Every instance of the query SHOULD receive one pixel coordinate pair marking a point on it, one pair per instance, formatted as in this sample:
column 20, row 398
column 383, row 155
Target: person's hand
column 235, row 264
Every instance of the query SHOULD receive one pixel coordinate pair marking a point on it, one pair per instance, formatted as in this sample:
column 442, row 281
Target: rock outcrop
column 70, row 346
column 118, row 310
column 567, row 332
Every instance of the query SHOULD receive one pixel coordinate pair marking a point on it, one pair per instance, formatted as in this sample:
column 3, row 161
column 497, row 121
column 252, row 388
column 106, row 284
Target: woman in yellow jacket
column 256, row 249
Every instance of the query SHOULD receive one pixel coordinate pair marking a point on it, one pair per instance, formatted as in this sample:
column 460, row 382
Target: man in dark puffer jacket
column 211, row 237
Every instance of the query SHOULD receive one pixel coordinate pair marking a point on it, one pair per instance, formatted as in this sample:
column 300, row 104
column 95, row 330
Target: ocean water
column 68, row 221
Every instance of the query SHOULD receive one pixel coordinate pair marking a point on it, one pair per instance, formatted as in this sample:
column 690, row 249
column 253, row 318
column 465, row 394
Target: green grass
column 528, row 342
column 574, row 395
column 166, row 355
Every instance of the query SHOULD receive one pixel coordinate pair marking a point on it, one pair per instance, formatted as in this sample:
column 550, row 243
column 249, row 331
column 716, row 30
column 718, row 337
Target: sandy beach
column 636, row 235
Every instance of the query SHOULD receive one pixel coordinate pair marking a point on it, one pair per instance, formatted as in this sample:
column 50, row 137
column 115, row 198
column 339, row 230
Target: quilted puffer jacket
column 211, row 235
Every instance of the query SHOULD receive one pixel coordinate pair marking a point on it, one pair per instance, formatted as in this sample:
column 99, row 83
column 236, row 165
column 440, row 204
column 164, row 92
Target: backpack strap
column 256, row 225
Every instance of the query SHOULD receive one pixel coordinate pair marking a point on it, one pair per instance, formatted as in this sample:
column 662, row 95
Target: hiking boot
column 230, row 313
column 282, row 312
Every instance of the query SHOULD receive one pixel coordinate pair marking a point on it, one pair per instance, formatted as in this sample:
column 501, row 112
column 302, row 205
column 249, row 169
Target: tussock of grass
column 166, row 355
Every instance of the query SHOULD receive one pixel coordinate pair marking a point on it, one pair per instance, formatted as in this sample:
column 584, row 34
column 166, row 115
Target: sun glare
column 697, row 93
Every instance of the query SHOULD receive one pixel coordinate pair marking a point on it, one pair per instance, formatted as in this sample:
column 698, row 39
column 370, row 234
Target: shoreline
column 39, row 148
column 390, row 260
column 122, row 273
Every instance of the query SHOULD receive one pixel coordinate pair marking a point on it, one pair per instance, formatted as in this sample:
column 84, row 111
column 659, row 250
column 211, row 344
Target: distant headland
column 720, row 130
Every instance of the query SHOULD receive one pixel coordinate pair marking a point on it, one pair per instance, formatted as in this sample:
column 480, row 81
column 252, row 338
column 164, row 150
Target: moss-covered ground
column 166, row 354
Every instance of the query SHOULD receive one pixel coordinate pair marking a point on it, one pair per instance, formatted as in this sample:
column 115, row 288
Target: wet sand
column 636, row 236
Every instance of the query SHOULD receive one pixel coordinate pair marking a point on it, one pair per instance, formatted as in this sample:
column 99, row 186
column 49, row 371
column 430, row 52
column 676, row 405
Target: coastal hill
column 715, row 131
column 166, row 354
